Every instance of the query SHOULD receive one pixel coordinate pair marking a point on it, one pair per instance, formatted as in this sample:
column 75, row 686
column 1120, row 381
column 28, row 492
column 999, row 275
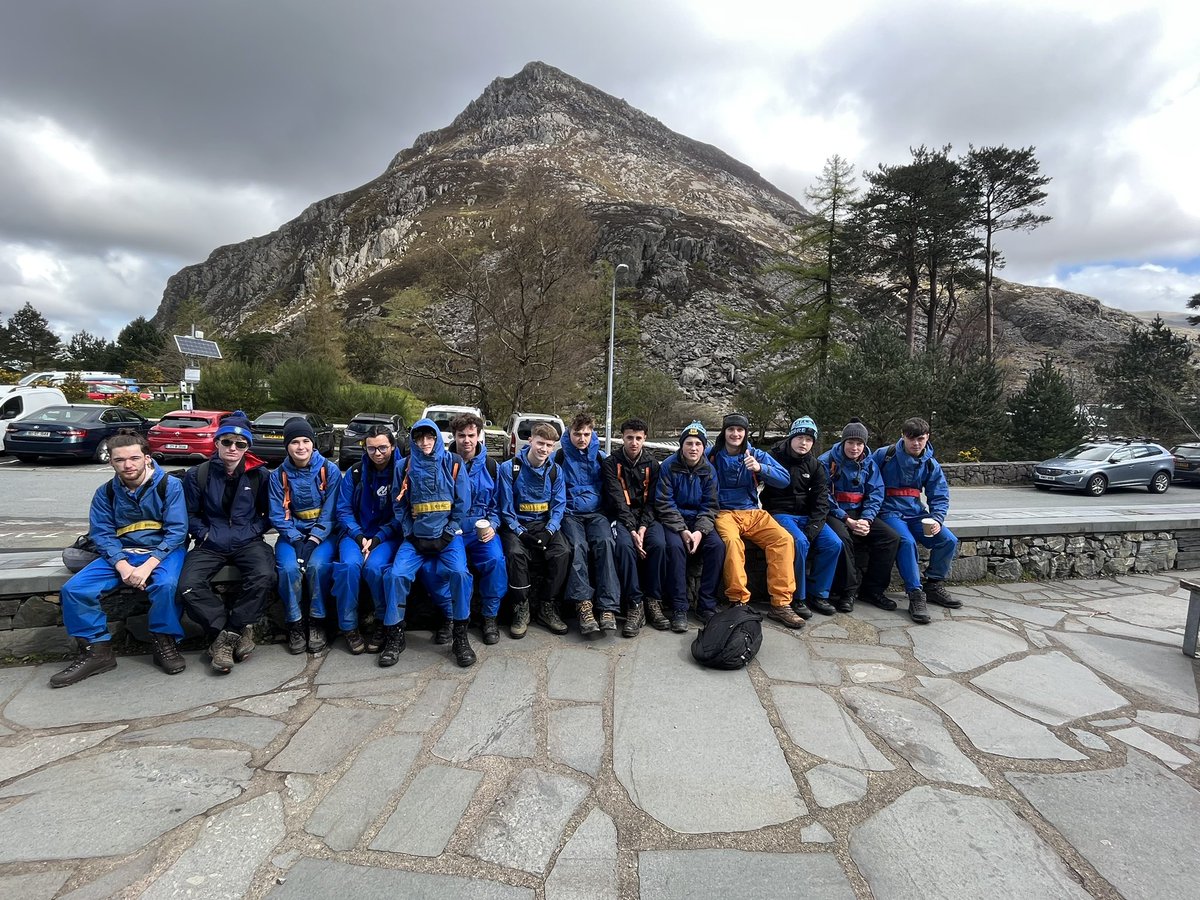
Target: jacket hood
column 838, row 453
column 902, row 454
column 570, row 451
column 439, row 447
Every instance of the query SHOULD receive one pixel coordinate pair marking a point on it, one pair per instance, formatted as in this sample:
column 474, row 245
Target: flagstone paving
column 1041, row 742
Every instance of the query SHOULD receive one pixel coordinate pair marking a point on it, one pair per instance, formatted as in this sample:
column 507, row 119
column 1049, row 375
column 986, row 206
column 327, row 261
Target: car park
column 350, row 445
column 1187, row 463
column 79, row 430
column 520, row 425
column 185, row 435
column 268, row 435
column 1096, row 466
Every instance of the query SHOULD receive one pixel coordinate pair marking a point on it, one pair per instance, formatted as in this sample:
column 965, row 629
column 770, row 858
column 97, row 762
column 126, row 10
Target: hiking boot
column 520, row 620
column 635, row 618
column 441, row 634
column 704, row 614
column 936, row 592
column 463, row 654
column 166, row 654
column 93, row 659
column 679, row 621
column 800, row 608
column 844, row 603
column 376, row 638
column 244, row 645
column 785, row 615
column 355, row 641
column 221, row 651
column 295, row 635
column 821, row 605
column 883, row 601
column 587, row 618
column 491, row 631
column 917, row 610
column 393, row 645
column 608, row 621
column 316, row 636
column 547, row 614
column 655, row 615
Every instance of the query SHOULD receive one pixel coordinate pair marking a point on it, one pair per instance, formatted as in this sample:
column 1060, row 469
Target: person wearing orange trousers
column 740, row 470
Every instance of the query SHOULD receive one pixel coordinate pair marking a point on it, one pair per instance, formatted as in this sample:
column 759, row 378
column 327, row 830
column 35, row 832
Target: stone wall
column 988, row 473
column 1076, row 555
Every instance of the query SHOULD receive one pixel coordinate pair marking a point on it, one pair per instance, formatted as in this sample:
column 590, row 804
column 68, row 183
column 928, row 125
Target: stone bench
column 1192, row 628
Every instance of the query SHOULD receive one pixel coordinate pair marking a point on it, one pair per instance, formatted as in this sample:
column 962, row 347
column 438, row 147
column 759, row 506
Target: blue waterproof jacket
column 687, row 495
column 540, row 494
column 364, row 502
column 308, row 511
column 737, row 486
column 121, row 519
column 581, row 469
column 484, row 504
column 214, row 527
column 431, row 495
column 855, row 486
column 904, row 477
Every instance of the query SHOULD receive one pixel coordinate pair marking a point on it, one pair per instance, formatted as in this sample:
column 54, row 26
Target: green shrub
column 74, row 388
column 305, row 386
column 8, row 376
column 129, row 401
column 352, row 398
column 234, row 385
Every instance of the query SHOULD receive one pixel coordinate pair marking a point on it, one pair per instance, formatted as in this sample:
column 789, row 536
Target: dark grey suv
column 1097, row 466
column 350, row 449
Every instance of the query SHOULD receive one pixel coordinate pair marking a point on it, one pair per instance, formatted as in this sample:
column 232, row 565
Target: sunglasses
column 237, row 445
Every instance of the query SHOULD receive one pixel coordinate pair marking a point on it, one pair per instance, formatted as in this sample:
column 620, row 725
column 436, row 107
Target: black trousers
column 875, row 551
column 256, row 562
column 556, row 558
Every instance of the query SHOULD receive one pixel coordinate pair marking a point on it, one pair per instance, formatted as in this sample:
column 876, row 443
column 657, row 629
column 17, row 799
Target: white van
column 59, row 376
column 17, row 401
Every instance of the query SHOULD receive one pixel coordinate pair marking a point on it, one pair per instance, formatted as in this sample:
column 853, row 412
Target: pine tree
column 1045, row 416
column 28, row 340
column 1152, row 384
column 87, row 351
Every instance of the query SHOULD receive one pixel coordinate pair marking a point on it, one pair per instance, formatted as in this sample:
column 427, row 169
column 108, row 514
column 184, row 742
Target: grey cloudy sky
column 138, row 135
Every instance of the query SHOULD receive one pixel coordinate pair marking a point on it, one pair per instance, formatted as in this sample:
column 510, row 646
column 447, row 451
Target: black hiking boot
column 491, row 631
column 547, row 614
column 935, row 592
column 463, row 654
column 93, row 659
column 376, row 638
column 393, row 645
column 166, row 654
column 635, row 618
column 297, row 642
column 918, row 611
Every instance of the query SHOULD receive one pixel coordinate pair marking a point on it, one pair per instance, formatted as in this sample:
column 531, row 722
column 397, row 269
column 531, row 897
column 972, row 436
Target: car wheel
column 1160, row 482
column 102, row 455
column 26, row 457
column 1097, row 485
column 1042, row 487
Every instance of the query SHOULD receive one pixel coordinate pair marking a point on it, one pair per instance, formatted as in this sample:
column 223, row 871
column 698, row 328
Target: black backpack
column 730, row 639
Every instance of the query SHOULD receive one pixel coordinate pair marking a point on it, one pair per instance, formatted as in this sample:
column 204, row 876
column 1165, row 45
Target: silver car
column 1095, row 467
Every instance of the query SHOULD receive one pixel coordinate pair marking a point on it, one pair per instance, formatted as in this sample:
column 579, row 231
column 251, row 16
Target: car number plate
column 273, row 437
column 177, row 446
column 1042, row 477
column 36, row 434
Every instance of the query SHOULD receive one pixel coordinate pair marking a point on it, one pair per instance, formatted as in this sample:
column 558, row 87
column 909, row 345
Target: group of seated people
column 612, row 535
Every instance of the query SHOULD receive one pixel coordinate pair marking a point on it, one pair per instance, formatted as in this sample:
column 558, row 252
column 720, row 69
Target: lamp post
column 612, row 334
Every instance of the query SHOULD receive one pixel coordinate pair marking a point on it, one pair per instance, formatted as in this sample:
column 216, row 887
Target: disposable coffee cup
column 481, row 527
column 928, row 525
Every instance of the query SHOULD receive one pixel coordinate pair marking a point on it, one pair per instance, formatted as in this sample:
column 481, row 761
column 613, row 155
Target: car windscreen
column 274, row 419
column 1187, row 451
column 62, row 414
column 525, row 428
column 1089, row 451
column 183, row 422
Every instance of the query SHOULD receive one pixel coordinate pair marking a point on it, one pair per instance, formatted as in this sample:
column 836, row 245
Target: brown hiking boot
column 655, row 615
column 785, row 615
column 587, row 618
column 245, row 645
column 635, row 618
column 918, row 611
column 166, row 654
column 93, row 659
column 547, row 614
column 376, row 637
column 520, row 620
column 355, row 641
column 221, row 651
column 608, row 621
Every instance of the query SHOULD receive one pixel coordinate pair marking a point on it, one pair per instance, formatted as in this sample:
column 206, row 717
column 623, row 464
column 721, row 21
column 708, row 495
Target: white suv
column 520, row 425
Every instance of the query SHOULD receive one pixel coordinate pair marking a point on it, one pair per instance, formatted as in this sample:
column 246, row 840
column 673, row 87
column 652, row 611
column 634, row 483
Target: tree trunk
column 988, row 311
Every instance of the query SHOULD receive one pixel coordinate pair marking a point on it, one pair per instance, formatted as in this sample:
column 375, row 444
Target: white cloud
column 1144, row 287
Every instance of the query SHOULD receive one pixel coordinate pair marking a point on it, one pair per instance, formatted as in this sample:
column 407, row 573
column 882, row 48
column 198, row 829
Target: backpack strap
column 492, row 467
column 404, row 479
column 202, row 476
column 559, row 456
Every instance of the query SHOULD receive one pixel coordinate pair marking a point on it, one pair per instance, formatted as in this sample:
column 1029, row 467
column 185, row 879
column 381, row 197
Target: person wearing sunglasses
column 227, row 517
column 370, row 536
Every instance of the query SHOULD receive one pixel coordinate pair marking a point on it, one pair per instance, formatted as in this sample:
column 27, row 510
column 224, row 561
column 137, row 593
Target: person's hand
column 639, row 535
column 301, row 546
column 864, row 526
column 124, row 570
column 691, row 541
column 364, row 544
column 751, row 463
column 487, row 535
column 937, row 527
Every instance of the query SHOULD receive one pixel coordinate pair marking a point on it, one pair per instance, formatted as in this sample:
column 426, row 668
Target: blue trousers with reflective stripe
column 444, row 575
column 351, row 569
column 81, row 597
column 318, row 573
column 943, row 547
column 489, row 566
column 826, row 552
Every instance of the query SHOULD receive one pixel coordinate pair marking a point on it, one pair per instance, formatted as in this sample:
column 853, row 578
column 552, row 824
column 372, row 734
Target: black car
column 79, row 430
column 268, row 435
column 1187, row 462
column 350, row 449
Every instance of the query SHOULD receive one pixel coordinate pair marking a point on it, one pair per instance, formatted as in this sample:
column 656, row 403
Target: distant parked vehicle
column 20, row 402
column 1096, row 466
column 58, row 376
column 350, row 447
column 1187, row 462
column 520, row 425
column 78, row 430
column 442, row 415
column 102, row 390
column 184, row 435
column 268, row 435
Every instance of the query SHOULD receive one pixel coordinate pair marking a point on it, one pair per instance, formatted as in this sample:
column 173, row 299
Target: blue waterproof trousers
column 318, row 573
column 490, row 571
column 943, row 547
column 444, row 575
column 351, row 569
column 81, row 595
column 825, row 556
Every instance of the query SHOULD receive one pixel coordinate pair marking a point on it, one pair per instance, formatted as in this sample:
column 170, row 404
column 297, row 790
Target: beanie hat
column 803, row 425
column 855, row 430
column 235, row 423
column 735, row 419
column 297, row 427
column 695, row 430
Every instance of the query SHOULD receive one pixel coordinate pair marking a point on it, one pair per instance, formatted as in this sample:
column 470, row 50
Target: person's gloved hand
column 375, row 542
column 536, row 540
column 301, row 546
column 444, row 541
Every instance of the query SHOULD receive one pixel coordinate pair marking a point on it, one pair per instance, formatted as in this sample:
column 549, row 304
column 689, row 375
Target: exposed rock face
column 695, row 226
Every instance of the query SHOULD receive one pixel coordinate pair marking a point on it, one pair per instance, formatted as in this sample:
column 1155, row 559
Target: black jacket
column 630, row 488
column 808, row 493
column 233, row 511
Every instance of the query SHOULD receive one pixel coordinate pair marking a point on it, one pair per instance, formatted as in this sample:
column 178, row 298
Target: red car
column 185, row 435
column 103, row 390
